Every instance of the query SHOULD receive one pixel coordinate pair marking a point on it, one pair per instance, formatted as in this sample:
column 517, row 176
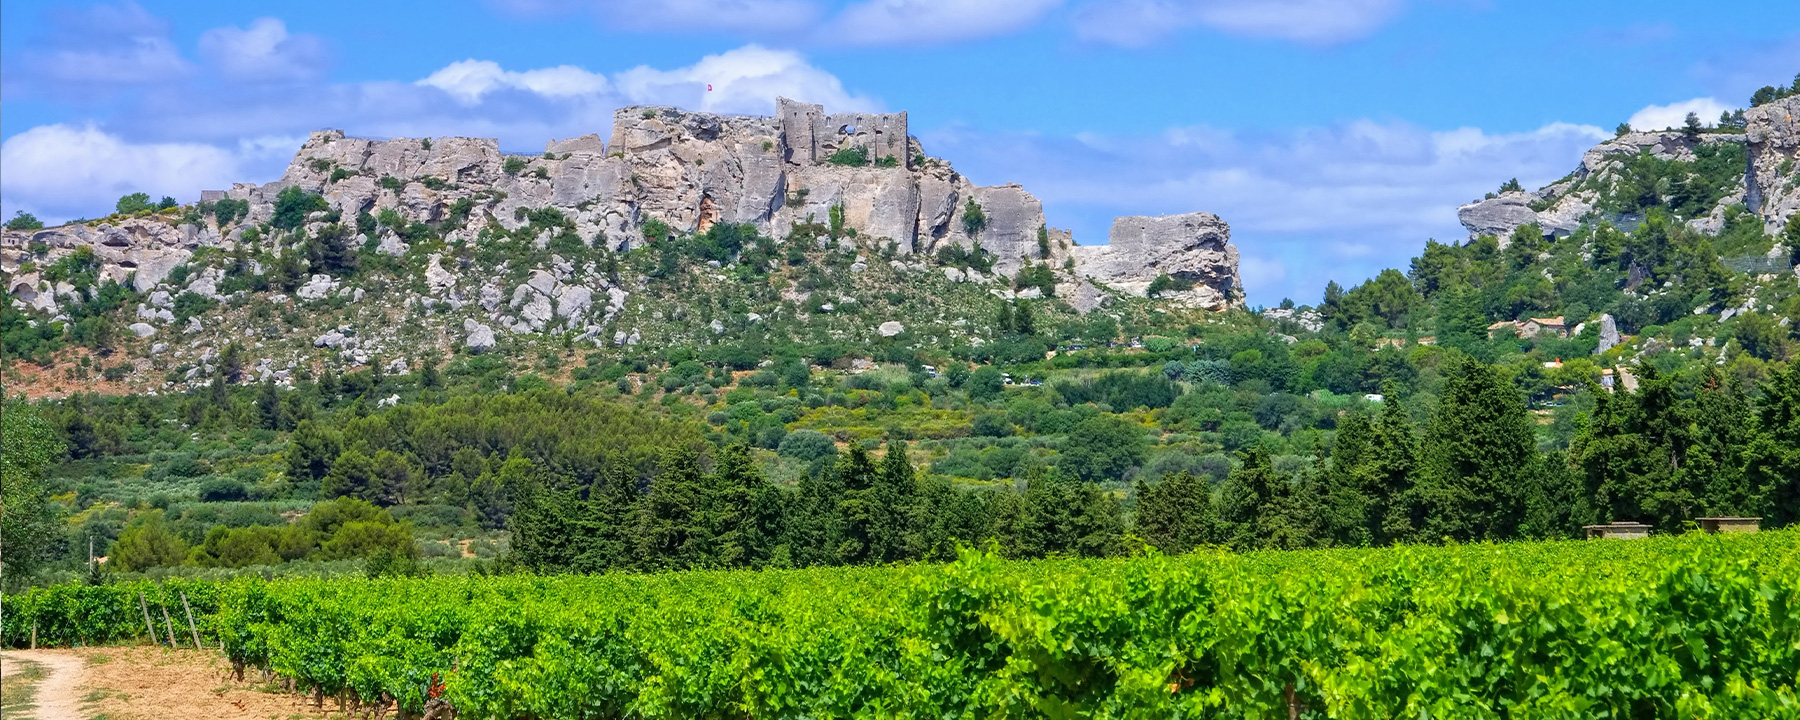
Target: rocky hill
column 680, row 229
column 1751, row 170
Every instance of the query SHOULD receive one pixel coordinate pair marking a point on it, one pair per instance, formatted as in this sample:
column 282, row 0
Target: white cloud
column 1337, row 202
column 753, row 17
column 744, row 80
column 1674, row 115
column 1135, row 23
column 264, row 51
column 468, row 80
column 883, row 22
column 61, row 171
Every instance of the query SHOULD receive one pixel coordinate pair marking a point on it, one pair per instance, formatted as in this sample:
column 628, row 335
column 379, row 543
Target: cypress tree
column 609, row 524
column 1723, row 429
column 1255, row 506
column 1175, row 515
column 672, row 523
column 1772, row 462
column 1389, row 472
column 1348, row 508
column 546, row 530
column 894, row 508
column 1477, row 452
column 734, row 486
column 858, row 509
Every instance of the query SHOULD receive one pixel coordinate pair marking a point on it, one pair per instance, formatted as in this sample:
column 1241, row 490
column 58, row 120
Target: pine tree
column 310, row 452
column 1478, row 449
column 1175, row 515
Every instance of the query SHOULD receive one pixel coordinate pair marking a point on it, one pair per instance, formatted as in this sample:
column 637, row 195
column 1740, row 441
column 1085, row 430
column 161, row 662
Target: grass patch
column 20, row 689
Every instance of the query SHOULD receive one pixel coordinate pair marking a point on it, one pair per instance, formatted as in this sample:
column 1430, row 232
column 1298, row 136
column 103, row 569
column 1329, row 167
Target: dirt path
column 150, row 683
column 58, row 695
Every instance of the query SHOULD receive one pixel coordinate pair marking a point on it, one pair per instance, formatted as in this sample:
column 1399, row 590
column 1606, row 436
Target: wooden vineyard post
column 170, row 626
column 149, row 626
column 34, row 633
column 195, row 629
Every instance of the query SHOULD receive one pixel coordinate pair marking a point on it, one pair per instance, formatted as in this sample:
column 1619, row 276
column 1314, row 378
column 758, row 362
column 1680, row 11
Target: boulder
column 573, row 301
column 480, row 337
column 436, row 277
column 1609, row 334
column 316, row 288
column 1193, row 249
column 391, row 245
column 890, row 328
column 142, row 330
column 1498, row 216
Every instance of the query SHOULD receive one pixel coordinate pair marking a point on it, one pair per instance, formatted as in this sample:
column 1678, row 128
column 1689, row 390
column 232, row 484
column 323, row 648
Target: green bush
column 974, row 220
column 850, row 157
column 24, row 221
column 133, row 204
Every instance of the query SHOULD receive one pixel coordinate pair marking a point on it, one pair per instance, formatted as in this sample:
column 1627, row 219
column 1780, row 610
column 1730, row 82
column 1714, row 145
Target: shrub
column 24, row 221
column 513, row 165
column 850, row 157
column 227, row 210
column 1103, row 447
column 133, row 203
column 806, row 446
column 974, row 220
column 223, row 489
column 888, row 162
column 293, row 205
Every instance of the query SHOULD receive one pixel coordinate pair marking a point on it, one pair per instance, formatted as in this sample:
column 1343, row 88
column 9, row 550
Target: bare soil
column 152, row 683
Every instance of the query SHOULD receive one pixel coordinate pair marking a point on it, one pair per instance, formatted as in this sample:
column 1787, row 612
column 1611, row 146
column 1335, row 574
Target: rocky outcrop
column 137, row 251
column 1498, row 216
column 1558, row 209
column 1194, row 250
column 1773, row 136
column 799, row 170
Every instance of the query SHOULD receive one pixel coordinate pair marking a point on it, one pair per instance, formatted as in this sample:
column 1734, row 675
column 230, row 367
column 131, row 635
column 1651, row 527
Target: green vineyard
column 1692, row 626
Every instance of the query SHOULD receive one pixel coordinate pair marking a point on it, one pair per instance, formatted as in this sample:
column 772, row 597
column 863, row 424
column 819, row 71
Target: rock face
column 688, row 171
column 1498, row 216
column 137, row 251
column 1194, row 250
column 1772, row 138
column 1609, row 334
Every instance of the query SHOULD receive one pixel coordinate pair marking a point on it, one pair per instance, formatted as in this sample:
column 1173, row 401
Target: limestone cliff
column 687, row 170
column 1765, row 183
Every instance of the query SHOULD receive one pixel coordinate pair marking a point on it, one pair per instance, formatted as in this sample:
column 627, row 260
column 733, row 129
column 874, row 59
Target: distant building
column 1617, row 531
column 1730, row 524
column 1533, row 327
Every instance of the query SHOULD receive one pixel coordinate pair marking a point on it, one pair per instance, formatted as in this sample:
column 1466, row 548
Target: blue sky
column 1334, row 135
